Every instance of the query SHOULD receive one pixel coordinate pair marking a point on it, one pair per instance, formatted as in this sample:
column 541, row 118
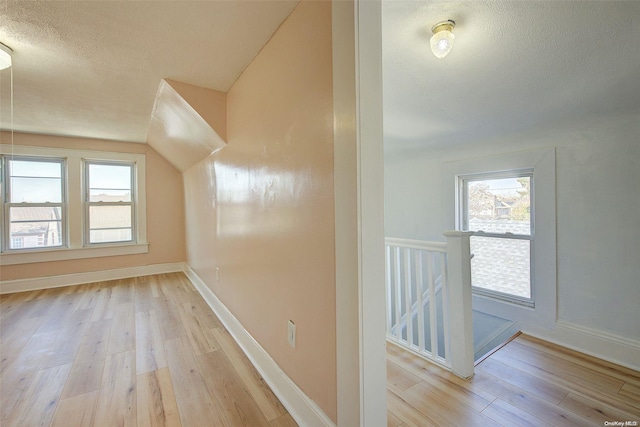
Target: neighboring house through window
column 61, row 204
column 496, row 206
column 508, row 201
column 35, row 203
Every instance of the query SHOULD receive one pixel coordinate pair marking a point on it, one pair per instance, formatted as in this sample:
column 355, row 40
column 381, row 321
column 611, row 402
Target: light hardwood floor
column 136, row 352
column 528, row 382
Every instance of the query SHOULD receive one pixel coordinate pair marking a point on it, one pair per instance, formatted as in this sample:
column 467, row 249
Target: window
column 34, row 203
column 539, row 308
column 110, row 208
column 497, row 208
column 62, row 204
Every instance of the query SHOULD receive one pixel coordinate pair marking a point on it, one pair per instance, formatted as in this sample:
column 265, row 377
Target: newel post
column 460, row 312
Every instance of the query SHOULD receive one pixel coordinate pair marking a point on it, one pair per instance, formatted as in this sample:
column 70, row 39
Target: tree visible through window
column 498, row 208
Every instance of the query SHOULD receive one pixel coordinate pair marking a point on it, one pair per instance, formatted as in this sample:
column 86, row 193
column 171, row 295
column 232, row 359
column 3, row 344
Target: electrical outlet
column 291, row 335
column 217, row 274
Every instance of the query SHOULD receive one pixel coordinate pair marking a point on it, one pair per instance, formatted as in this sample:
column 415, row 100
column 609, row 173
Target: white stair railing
column 426, row 297
column 429, row 299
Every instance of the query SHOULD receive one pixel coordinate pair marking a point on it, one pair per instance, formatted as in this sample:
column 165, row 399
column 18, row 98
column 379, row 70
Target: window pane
column 501, row 265
column 110, row 195
column 110, row 224
column 33, row 227
column 109, row 217
column 111, row 184
column 112, row 235
column 499, row 205
column 36, row 190
column 111, row 177
column 35, row 168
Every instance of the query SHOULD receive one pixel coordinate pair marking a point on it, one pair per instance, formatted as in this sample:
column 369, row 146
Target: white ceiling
column 92, row 68
column 515, row 66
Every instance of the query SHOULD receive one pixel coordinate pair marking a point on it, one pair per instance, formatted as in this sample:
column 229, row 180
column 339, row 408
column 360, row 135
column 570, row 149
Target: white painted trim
column 601, row 344
column 63, row 254
column 544, row 273
column 22, row 285
column 75, row 182
column 416, row 244
column 303, row 410
column 370, row 188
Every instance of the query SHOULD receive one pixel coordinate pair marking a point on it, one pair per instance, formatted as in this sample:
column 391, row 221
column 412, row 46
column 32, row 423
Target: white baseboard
column 603, row 345
column 304, row 410
column 22, row 285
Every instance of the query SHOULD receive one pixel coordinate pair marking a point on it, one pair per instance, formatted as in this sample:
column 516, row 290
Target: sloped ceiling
column 188, row 123
column 92, row 68
column 515, row 66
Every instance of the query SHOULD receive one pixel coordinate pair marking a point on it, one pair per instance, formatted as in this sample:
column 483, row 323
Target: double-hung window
column 34, row 203
column 61, row 204
column 508, row 201
column 498, row 207
column 109, row 202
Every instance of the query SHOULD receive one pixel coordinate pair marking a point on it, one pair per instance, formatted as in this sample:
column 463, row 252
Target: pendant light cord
column 11, row 96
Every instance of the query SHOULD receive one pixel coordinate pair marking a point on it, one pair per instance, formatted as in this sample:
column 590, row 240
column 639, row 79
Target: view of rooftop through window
column 501, row 209
column 35, row 203
column 110, row 202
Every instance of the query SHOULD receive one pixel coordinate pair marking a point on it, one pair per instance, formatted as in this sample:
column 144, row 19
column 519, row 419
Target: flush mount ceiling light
column 442, row 39
column 5, row 56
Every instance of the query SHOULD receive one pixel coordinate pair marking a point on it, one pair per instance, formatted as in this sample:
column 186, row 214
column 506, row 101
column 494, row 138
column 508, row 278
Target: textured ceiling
column 92, row 68
column 515, row 66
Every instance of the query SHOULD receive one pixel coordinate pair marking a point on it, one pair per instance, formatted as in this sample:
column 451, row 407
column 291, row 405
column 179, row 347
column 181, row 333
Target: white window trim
column 463, row 224
column 6, row 246
column 87, row 200
column 542, row 162
column 75, row 248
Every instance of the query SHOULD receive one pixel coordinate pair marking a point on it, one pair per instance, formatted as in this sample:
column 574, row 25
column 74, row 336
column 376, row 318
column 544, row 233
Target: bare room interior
column 319, row 213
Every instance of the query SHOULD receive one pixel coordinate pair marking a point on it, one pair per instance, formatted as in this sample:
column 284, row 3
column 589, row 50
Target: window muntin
column 109, row 200
column 498, row 208
column 74, row 211
column 34, row 203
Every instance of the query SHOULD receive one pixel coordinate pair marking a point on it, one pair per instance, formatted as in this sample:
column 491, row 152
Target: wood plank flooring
column 148, row 351
column 528, row 382
column 145, row 351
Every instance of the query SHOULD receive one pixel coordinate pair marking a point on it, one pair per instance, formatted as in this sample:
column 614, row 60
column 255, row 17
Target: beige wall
column 262, row 208
column 165, row 213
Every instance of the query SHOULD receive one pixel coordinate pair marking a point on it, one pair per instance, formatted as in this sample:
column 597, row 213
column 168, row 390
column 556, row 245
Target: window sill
column 28, row 257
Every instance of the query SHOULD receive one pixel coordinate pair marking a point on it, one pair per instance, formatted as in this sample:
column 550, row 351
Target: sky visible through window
column 35, row 181
column 110, row 176
column 501, row 187
column 500, row 206
column 110, row 183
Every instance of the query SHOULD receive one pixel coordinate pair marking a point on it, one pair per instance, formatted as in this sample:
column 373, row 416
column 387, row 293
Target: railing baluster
column 444, row 289
column 433, row 320
column 419, row 294
column 398, row 289
column 407, row 296
column 389, row 290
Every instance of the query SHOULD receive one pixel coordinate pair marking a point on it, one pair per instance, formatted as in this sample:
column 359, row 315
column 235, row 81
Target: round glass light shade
column 5, row 57
column 441, row 43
